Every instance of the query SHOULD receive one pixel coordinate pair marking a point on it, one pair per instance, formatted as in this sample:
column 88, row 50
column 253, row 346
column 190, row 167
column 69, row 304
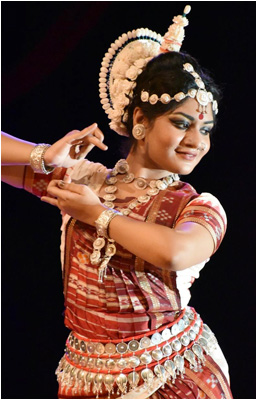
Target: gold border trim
column 203, row 223
column 69, row 231
column 208, row 210
column 200, row 383
column 220, row 378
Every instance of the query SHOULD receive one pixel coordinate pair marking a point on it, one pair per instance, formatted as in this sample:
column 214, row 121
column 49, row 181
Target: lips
column 187, row 154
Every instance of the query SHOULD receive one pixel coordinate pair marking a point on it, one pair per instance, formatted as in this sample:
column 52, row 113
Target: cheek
column 170, row 140
column 208, row 144
column 164, row 138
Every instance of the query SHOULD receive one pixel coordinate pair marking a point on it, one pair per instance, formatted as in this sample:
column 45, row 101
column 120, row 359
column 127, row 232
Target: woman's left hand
column 78, row 201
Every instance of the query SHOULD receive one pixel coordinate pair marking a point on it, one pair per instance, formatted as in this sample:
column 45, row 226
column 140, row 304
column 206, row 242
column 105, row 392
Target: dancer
column 135, row 237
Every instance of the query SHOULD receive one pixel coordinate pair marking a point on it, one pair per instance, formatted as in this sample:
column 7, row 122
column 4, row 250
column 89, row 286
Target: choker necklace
column 155, row 185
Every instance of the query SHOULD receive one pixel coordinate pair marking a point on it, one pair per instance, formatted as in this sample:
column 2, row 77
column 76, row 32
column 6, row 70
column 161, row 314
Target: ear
column 139, row 117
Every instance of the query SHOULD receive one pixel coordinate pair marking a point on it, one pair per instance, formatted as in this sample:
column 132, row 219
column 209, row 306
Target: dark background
column 51, row 56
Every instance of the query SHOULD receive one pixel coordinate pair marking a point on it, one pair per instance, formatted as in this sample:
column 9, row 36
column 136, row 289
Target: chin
column 184, row 171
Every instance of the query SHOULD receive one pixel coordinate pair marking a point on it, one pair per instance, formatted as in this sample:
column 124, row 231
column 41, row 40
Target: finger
column 57, row 192
column 72, row 187
column 96, row 142
column 49, row 200
column 54, row 189
column 67, row 178
column 78, row 135
column 53, row 183
column 61, row 184
column 99, row 134
column 82, row 151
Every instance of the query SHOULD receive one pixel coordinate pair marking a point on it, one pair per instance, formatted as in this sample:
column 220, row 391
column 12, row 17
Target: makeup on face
column 185, row 122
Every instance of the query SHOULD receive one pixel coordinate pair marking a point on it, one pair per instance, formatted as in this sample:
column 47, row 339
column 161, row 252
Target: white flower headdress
column 124, row 62
column 121, row 65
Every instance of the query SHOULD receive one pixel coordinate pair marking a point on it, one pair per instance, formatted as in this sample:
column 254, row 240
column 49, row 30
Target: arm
column 66, row 152
column 172, row 249
column 15, row 151
column 13, row 175
column 15, row 154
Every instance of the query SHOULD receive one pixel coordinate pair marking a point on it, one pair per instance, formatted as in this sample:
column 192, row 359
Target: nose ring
column 203, row 147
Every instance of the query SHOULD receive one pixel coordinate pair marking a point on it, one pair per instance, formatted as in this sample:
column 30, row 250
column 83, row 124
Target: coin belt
column 117, row 366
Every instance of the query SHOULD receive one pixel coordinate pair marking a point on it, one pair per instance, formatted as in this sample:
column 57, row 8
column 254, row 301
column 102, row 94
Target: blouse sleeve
column 37, row 183
column 207, row 211
column 84, row 172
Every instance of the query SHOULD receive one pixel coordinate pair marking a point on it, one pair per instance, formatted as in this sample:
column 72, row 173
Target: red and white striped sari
column 136, row 297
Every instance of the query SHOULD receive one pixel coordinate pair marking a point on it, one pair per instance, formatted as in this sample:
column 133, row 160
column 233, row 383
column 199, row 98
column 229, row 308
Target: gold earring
column 138, row 131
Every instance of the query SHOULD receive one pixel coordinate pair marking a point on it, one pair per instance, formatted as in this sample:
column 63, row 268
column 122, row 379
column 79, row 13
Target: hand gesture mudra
column 74, row 146
column 79, row 201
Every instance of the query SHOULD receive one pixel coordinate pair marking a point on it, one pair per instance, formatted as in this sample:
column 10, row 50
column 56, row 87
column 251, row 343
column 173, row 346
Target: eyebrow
column 191, row 118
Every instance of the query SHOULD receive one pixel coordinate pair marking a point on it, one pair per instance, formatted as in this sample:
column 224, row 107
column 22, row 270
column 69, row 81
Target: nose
column 194, row 139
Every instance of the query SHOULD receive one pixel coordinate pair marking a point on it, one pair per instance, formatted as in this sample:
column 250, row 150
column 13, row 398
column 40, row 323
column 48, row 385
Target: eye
column 206, row 131
column 180, row 124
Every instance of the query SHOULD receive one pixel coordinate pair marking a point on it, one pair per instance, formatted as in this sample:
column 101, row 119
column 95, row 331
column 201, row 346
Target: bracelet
column 37, row 162
column 103, row 221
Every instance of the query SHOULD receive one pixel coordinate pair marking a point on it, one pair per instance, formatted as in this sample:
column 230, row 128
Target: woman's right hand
column 74, row 146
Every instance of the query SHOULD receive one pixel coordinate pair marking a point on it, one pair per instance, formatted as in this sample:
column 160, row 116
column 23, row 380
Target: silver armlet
column 103, row 221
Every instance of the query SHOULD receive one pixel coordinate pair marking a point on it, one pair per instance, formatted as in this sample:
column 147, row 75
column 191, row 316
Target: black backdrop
column 51, row 54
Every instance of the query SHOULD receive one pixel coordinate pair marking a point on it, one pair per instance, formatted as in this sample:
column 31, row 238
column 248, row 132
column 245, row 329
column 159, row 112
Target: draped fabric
column 136, row 296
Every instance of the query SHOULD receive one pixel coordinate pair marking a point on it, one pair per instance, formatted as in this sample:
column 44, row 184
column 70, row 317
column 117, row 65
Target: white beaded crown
column 124, row 62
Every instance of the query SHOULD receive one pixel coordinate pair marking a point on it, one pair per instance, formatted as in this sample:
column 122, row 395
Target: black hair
column 165, row 74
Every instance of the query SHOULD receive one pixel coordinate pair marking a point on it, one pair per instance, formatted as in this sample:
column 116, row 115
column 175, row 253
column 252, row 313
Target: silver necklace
column 122, row 167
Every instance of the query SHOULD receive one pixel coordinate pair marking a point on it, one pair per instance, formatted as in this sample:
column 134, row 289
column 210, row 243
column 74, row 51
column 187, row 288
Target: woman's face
column 177, row 141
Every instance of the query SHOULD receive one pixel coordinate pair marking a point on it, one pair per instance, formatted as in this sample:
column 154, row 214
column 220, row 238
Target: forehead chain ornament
column 126, row 59
column 201, row 95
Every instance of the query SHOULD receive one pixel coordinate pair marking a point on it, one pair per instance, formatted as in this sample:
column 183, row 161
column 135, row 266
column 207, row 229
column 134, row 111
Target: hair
column 165, row 74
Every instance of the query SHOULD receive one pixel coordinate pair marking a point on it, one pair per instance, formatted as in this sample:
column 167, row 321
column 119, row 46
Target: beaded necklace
column 122, row 167
column 155, row 185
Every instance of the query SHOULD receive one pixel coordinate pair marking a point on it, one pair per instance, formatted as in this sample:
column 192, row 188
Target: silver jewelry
column 138, row 131
column 201, row 95
column 103, row 221
column 37, row 162
column 125, row 60
column 102, row 225
column 160, row 350
column 154, row 186
column 202, row 147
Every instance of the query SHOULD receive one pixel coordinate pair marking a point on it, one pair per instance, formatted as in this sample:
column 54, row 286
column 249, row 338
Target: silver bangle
column 103, row 221
column 37, row 162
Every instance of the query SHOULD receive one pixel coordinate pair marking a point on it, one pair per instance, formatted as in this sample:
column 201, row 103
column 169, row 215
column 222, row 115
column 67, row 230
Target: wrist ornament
column 103, row 221
column 37, row 162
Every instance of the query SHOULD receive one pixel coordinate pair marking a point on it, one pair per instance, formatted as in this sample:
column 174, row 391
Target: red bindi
column 201, row 116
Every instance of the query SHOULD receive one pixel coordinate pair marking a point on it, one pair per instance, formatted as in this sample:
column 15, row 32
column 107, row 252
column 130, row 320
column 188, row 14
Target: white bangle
column 37, row 162
column 103, row 221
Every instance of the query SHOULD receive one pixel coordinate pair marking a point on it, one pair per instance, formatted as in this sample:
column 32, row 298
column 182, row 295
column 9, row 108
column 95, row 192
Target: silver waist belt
column 116, row 366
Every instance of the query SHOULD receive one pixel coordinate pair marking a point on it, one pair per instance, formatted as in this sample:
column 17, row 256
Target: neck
column 138, row 166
